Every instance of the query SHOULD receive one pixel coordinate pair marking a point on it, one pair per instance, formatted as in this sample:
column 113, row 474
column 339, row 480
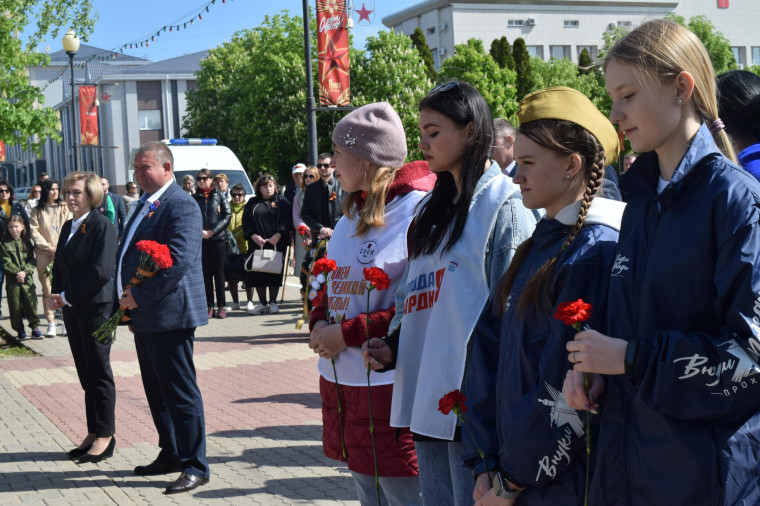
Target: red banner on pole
column 2, row 151
column 332, row 51
column 722, row 4
column 88, row 115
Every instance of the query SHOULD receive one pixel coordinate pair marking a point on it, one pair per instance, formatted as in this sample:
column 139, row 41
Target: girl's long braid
column 537, row 288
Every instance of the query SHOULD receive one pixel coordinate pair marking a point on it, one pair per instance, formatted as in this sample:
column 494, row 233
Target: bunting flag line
column 115, row 52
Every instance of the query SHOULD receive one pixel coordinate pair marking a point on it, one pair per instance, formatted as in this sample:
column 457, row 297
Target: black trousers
column 212, row 260
column 168, row 376
column 93, row 363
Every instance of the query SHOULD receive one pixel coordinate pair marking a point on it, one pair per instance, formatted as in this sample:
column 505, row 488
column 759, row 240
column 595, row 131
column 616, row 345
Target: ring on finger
column 572, row 357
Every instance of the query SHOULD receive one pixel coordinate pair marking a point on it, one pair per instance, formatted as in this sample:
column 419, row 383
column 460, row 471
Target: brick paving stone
column 260, row 388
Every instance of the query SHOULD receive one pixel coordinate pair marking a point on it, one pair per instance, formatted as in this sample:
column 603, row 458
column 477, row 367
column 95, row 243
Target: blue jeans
column 394, row 491
column 443, row 478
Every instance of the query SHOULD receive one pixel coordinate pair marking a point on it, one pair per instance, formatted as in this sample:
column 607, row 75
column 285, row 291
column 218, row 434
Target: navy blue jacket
column 684, row 426
column 174, row 299
column 516, row 411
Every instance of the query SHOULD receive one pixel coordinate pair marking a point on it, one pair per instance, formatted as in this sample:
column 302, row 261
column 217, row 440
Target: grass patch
column 9, row 350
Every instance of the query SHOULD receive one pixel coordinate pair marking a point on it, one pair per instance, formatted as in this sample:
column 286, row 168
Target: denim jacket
column 514, row 224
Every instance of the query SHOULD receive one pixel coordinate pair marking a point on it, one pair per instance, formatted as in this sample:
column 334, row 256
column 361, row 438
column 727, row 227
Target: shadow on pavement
column 293, row 488
column 268, row 339
column 276, row 433
column 310, row 400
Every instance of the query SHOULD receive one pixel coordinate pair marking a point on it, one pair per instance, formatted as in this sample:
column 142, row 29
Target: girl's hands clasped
column 591, row 352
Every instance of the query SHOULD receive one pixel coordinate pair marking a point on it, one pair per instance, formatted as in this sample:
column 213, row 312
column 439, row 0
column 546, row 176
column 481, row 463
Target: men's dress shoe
column 158, row 467
column 185, row 483
column 94, row 459
column 78, row 452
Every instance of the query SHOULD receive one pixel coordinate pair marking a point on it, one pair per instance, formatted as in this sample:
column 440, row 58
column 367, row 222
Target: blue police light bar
column 192, row 142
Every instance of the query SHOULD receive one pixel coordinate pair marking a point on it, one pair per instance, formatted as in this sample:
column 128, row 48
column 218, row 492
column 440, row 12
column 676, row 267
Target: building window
column 739, row 55
column 536, row 51
column 149, row 119
column 431, row 30
column 593, row 51
column 559, row 52
column 515, row 22
column 625, row 24
column 436, row 57
column 572, row 23
column 756, row 56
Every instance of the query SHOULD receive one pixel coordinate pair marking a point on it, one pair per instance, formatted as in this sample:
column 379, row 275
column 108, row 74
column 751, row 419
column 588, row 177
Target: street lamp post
column 311, row 112
column 71, row 46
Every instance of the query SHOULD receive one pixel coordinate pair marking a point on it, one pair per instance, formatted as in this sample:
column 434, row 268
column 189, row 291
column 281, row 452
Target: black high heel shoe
column 78, row 452
column 94, row 459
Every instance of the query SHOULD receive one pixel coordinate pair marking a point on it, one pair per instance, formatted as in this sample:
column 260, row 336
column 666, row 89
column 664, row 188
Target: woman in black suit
column 82, row 269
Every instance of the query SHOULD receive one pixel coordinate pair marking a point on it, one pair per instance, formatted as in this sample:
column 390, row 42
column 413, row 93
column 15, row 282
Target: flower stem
column 371, row 418
column 340, row 411
column 587, row 383
column 480, row 451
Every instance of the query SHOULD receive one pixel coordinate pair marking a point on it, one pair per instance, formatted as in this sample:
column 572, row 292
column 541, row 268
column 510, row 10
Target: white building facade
column 139, row 101
column 562, row 28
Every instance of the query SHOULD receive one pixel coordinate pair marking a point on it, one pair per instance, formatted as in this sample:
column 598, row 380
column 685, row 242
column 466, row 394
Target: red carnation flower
column 377, row 277
column 573, row 313
column 324, row 265
column 158, row 252
column 452, row 401
column 302, row 230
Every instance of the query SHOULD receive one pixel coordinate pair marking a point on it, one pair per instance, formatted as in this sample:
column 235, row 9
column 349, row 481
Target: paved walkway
column 263, row 422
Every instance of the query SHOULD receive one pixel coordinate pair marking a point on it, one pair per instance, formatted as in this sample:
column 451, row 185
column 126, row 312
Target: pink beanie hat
column 373, row 133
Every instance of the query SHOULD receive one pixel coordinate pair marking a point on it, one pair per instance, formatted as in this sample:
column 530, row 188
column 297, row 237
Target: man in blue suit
column 164, row 311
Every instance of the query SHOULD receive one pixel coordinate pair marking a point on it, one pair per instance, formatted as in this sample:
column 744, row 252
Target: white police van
column 192, row 155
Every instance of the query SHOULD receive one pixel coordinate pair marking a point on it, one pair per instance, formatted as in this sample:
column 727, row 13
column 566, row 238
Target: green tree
column 471, row 63
column 22, row 111
column 419, row 42
column 564, row 72
column 502, row 53
column 717, row 45
column 610, row 37
column 251, row 96
column 391, row 69
column 522, row 68
column 584, row 62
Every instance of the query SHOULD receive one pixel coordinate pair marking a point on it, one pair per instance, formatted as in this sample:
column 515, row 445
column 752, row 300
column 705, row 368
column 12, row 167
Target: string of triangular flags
column 114, row 53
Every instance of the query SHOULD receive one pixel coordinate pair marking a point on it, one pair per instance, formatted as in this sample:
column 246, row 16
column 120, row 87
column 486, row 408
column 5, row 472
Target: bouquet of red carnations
column 154, row 257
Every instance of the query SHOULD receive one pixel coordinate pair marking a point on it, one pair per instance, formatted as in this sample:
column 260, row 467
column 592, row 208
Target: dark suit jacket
column 174, row 299
column 121, row 212
column 83, row 267
column 317, row 210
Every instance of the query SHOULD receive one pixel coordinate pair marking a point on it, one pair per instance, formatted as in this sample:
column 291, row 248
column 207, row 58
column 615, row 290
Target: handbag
column 231, row 243
column 264, row 260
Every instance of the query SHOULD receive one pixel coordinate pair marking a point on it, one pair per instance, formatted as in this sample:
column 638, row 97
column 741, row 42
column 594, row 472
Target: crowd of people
column 650, row 398
column 481, row 387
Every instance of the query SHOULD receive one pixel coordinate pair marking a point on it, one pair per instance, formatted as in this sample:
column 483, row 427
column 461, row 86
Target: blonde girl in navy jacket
column 681, row 406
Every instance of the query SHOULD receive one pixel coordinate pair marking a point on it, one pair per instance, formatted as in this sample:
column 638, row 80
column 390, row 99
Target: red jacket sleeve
column 355, row 329
column 318, row 312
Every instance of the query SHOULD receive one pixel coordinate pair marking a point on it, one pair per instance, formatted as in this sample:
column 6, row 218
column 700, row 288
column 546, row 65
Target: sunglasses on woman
column 202, row 178
column 310, row 176
column 238, row 194
column 444, row 87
